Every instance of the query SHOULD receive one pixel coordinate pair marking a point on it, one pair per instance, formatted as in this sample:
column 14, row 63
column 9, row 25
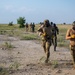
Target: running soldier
column 54, row 38
column 46, row 33
column 70, row 35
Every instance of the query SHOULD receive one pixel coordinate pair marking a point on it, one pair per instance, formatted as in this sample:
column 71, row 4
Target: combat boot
column 46, row 61
column 54, row 48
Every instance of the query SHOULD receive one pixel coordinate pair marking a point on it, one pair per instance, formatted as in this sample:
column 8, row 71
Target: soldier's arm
column 68, row 37
column 44, row 32
column 57, row 30
column 40, row 30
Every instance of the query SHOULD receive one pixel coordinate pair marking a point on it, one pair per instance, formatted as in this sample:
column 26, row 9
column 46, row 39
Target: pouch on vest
column 72, row 47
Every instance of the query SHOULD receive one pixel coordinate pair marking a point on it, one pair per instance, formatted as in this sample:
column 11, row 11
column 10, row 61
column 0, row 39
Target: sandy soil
column 30, row 57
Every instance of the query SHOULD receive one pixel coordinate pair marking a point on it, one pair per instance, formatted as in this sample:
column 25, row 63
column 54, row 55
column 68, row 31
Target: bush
column 10, row 24
column 21, row 21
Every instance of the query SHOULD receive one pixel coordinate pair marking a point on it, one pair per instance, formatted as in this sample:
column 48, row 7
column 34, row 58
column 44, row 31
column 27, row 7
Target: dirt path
column 28, row 58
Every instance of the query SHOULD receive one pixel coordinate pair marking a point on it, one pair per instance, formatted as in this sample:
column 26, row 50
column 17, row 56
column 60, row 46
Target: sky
column 57, row 11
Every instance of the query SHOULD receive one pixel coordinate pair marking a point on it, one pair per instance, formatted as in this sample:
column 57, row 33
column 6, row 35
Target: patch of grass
column 8, row 45
column 29, row 37
column 4, row 71
column 62, row 42
column 42, row 59
column 14, row 66
column 6, row 27
column 55, row 64
column 2, row 32
column 63, row 30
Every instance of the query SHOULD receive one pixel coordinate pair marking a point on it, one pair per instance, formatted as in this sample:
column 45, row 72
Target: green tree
column 10, row 24
column 64, row 23
column 21, row 21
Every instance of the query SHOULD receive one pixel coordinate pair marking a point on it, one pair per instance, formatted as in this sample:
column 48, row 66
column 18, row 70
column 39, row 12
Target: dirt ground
column 27, row 58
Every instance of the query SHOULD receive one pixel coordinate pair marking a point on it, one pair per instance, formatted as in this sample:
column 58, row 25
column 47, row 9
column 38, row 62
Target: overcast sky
column 58, row 11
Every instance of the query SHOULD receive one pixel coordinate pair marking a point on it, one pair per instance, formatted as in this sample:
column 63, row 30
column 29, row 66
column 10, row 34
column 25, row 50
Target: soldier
column 33, row 27
column 30, row 27
column 26, row 27
column 54, row 39
column 51, row 23
column 70, row 35
column 46, row 33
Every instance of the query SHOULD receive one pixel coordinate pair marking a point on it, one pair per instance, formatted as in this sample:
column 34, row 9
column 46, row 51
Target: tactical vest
column 48, row 31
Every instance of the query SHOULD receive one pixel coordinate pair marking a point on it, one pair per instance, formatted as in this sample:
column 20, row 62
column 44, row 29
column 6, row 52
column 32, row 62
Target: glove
column 44, row 34
column 73, row 36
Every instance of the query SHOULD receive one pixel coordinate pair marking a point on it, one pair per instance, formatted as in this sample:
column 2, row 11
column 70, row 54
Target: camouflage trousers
column 46, row 46
column 26, row 29
column 73, row 53
column 54, row 42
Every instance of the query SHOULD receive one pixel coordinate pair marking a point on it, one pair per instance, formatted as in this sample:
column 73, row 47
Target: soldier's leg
column 26, row 29
column 55, row 43
column 30, row 29
column 48, row 44
column 44, row 45
column 33, row 29
column 73, row 56
column 52, row 41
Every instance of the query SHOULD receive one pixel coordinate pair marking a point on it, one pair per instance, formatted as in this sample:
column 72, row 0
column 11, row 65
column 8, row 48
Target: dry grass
column 22, row 34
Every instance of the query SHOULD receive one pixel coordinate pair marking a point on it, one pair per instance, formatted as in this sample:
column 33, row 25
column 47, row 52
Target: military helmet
column 51, row 23
column 46, row 21
column 73, row 23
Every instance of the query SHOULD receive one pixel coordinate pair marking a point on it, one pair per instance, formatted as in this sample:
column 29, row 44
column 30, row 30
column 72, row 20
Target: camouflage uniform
column 71, row 36
column 33, row 27
column 26, row 26
column 30, row 27
column 46, row 33
column 54, row 39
